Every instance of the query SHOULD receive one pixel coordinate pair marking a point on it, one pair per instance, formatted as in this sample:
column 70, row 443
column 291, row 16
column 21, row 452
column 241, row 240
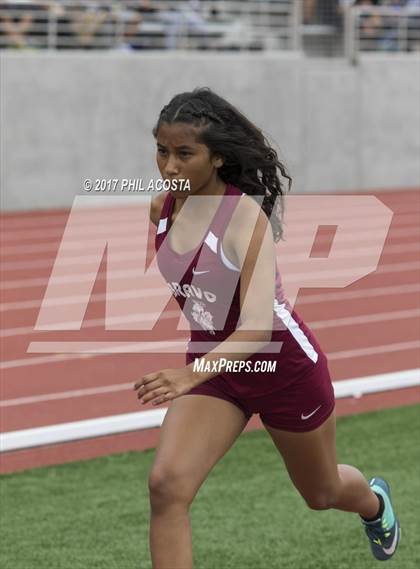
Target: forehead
column 178, row 134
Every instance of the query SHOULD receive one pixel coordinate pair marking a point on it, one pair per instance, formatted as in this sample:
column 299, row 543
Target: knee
column 321, row 500
column 168, row 488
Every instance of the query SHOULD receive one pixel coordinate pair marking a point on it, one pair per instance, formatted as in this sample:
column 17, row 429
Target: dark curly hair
column 250, row 163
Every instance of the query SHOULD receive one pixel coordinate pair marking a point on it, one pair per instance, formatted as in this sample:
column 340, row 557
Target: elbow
column 259, row 332
column 260, row 342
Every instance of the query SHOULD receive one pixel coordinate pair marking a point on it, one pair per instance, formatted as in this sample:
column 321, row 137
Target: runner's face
column 181, row 157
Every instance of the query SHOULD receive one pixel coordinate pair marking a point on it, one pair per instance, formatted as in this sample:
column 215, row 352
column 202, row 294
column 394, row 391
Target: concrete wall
column 70, row 116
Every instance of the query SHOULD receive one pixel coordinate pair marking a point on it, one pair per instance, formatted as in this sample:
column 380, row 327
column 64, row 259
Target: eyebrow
column 182, row 147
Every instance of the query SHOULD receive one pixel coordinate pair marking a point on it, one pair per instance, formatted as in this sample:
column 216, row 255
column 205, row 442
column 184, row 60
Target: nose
column 171, row 167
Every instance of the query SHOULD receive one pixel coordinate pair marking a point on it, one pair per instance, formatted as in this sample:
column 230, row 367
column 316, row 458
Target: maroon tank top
column 206, row 285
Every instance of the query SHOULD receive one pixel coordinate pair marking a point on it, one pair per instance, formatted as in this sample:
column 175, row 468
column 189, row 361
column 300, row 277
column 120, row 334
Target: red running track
column 366, row 328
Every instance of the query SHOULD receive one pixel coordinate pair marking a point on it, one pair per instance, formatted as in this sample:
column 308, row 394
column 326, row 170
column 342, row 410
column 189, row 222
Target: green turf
column 94, row 514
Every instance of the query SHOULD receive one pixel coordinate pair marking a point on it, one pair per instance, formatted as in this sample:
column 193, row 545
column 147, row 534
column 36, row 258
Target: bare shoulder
column 248, row 213
column 247, row 216
column 156, row 207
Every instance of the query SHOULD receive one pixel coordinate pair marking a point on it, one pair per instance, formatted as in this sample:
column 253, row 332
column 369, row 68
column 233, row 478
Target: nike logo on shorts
column 304, row 417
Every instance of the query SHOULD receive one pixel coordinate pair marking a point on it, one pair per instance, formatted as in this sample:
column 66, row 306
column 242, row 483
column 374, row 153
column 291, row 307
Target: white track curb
column 114, row 424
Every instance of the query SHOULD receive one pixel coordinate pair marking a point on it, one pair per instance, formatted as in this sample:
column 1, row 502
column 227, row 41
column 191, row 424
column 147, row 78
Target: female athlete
column 219, row 260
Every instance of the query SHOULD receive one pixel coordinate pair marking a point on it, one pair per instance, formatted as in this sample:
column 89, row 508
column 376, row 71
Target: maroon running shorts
column 299, row 406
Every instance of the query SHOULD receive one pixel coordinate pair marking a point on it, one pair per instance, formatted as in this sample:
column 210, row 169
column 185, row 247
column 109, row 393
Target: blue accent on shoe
column 385, row 533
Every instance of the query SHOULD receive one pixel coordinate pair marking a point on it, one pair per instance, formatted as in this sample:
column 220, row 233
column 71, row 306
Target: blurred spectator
column 133, row 15
column 84, row 25
column 66, row 37
column 392, row 27
column 344, row 5
column 182, row 19
column 386, row 32
column 15, row 22
column 413, row 7
column 376, row 31
column 88, row 23
column 23, row 24
column 371, row 25
column 321, row 12
column 309, row 11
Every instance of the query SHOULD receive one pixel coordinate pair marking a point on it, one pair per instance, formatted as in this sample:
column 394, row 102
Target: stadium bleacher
column 327, row 28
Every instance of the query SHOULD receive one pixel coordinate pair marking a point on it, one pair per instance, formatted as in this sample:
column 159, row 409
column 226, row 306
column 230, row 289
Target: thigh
column 310, row 458
column 304, row 404
column 196, row 432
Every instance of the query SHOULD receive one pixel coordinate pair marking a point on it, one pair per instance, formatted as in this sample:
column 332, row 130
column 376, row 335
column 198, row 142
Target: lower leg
column 170, row 538
column 355, row 494
column 310, row 459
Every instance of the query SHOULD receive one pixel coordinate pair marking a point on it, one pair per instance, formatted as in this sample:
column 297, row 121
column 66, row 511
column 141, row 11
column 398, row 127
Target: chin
column 179, row 194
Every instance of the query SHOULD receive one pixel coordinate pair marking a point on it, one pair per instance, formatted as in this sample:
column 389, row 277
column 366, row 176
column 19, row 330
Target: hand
column 164, row 385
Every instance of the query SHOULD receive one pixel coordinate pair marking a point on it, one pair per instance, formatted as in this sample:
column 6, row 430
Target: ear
column 218, row 161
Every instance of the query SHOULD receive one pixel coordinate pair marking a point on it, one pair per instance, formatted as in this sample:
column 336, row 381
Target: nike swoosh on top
column 390, row 550
column 304, row 417
column 199, row 272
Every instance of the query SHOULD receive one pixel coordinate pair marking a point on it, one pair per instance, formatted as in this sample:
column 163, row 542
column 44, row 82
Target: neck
column 217, row 188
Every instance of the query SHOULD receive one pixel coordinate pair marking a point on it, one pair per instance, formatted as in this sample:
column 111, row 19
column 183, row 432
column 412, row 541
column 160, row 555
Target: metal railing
column 202, row 24
column 155, row 24
column 381, row 29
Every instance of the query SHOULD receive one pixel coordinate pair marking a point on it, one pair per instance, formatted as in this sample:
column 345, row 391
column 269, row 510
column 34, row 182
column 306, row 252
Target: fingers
column 155, row 388
column 146, row 379
column 146, row 388
column 163, row 399
column 157, row 396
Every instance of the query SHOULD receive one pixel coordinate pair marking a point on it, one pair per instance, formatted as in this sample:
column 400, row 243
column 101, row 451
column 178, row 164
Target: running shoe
column 385, row 532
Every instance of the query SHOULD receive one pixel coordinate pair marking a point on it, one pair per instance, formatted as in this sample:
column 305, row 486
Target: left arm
column 257, row 262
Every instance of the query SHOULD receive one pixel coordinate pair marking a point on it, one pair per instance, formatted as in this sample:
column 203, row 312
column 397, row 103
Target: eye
column 185, row 153
column 161, row 151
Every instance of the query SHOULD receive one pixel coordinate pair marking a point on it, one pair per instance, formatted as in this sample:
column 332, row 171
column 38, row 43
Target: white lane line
column 383, row 268
column 126, row 422
column 59, row 219
column 356, row 294
column 154, row 316
column 91, row 236
column 91, row 220
column 95, row 323
column 107, row 208
column 79, row 261
column 282, row 256
column 374, row 350
column 66, row 395
column 56, row 358
column 180, row 347
column 90, row 391
column 365, row 319
column 69, row 300
column 84, row 350
column 132, row 294
column 86, row 230
column 350, row 240
column 83, row 245
column 65, row 280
